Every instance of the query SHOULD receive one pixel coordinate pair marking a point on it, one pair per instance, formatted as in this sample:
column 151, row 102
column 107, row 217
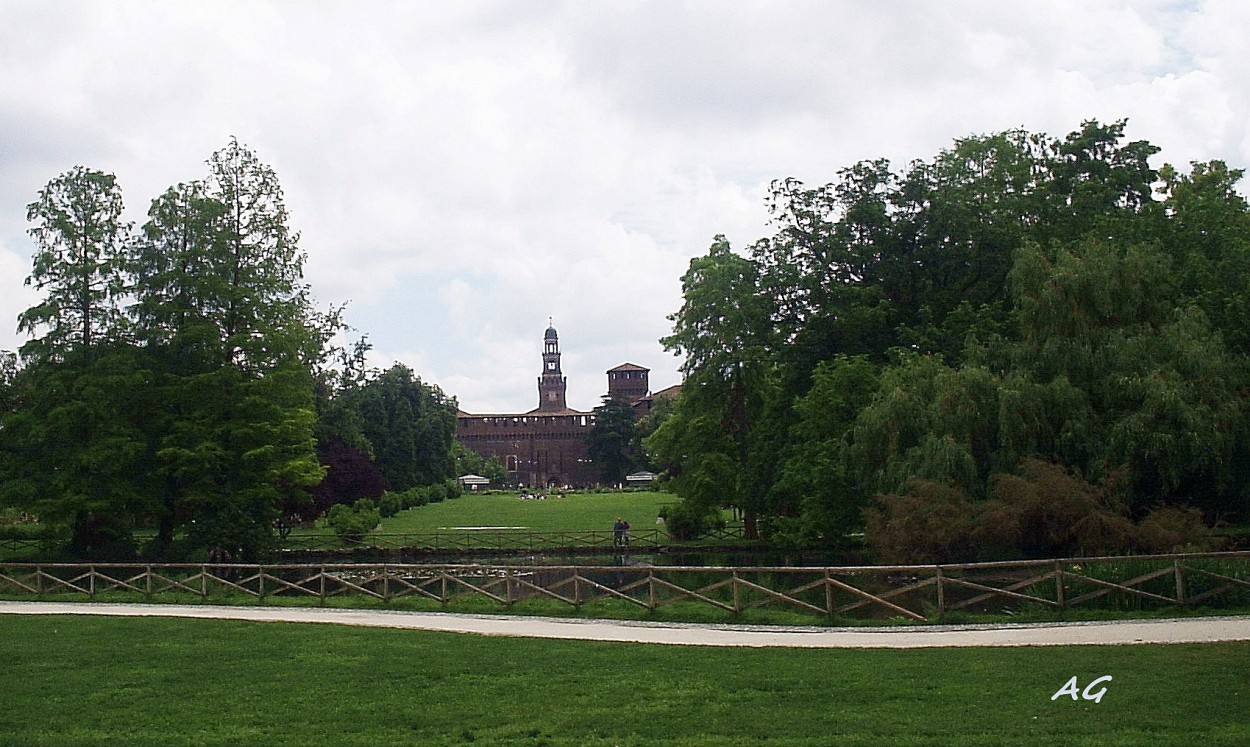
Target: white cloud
column 463, row 171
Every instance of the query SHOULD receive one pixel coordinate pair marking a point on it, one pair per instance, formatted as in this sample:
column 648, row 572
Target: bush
column 1172, row 529
column 930, row 523
column 1047, row 511
column 352, row 523
column 686, row 522
column 414, row 497
column 390, row 504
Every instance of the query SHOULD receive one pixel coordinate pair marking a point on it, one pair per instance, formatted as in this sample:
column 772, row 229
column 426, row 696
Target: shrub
column 390, row 504
column 1048, row 511
column 1173, row 529
column 352, row 523
column 687, row 522
column 414, row 497
column 930, row 523
column 1045, row 511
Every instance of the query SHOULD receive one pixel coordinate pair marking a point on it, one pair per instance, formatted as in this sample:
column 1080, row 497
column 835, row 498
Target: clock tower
column 552, row 384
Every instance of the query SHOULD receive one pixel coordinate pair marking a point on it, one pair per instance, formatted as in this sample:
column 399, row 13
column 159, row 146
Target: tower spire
column 551, row 384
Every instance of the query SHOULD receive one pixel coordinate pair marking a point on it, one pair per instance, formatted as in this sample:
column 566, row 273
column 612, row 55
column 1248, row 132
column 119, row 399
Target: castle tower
column 552, row 384
column 628, row 383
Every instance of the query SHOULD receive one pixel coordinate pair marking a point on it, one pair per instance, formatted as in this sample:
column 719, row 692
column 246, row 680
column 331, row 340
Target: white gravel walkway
column 1187, row 630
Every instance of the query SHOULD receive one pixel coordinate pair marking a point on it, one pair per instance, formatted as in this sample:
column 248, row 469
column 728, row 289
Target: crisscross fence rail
column 918, row 593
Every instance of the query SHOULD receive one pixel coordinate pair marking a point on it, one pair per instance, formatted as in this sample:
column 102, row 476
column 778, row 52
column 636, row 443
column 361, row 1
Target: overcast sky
column 462, row 171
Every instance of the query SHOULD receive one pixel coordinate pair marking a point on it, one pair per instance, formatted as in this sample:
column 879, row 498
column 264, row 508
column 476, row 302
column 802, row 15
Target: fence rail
column 919, row 593
column 487, row 539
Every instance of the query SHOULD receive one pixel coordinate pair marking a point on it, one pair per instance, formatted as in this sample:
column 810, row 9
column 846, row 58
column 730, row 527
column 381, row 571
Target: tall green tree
column 609, row 444
column 711, row 445
column 225, row 317
column 72, row 444
column 1018, row 296
column 410, row 425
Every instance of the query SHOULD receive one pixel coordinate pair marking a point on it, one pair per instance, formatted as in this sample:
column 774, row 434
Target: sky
column 461, row 173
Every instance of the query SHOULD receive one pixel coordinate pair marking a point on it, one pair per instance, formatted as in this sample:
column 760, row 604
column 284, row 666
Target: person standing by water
column 618, row 532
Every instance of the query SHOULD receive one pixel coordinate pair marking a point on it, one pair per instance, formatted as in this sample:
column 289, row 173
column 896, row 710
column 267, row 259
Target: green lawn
column 104, row 681
column 572, row 512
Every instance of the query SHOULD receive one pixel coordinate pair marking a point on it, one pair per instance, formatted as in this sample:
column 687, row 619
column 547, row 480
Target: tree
column 79, row 245
column 225, row 318
column 73, row 449
column 1018, row 296
column 350, row 475
column 723, row 328
column 609, row 444
column 72, row 444
column 260, row 269
column 469, row 462
column 410, row 425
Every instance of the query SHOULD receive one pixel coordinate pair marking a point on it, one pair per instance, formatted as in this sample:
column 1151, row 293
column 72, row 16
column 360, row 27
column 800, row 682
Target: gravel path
column 1188, row 630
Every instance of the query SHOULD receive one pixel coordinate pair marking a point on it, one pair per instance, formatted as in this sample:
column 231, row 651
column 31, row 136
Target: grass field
column 103, row 681
column 572, row 512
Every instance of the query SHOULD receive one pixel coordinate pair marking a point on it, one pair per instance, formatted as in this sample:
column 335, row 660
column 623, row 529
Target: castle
column 546, row 446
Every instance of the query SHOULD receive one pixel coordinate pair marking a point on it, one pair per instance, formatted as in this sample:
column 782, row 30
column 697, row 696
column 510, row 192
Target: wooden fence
column 490, row 539
column 918, row 593
column 484, row 540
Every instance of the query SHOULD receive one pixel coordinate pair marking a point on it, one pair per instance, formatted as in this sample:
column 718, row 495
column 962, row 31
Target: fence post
column 147, row 582
column 828, row 593
column 91, row 580
column 1060, row 595
column 737, row 594
column 321, row 580
column 651, row 589
column 941, row 593
column 1178, row 570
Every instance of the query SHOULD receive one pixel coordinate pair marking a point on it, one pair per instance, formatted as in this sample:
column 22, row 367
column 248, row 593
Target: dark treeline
column 178, row 383
column 1025, row 346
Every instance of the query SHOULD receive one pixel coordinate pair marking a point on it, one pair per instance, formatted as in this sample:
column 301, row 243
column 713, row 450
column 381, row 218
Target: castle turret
column 628, row 383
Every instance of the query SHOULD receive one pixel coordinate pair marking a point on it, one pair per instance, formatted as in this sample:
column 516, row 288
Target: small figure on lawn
column 622, row 533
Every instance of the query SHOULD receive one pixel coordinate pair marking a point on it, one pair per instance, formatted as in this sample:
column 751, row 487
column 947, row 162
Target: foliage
column 929, row 523
column 1047, row 512
column 686, row 521
column 1017, row 298
column 409, row 425
column 80, row 241
column 191, row 408
column 469, row 462
column 713, row 446
column 1041, row 510
column 352, row 523
column 609, row 444
column 350, row 475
